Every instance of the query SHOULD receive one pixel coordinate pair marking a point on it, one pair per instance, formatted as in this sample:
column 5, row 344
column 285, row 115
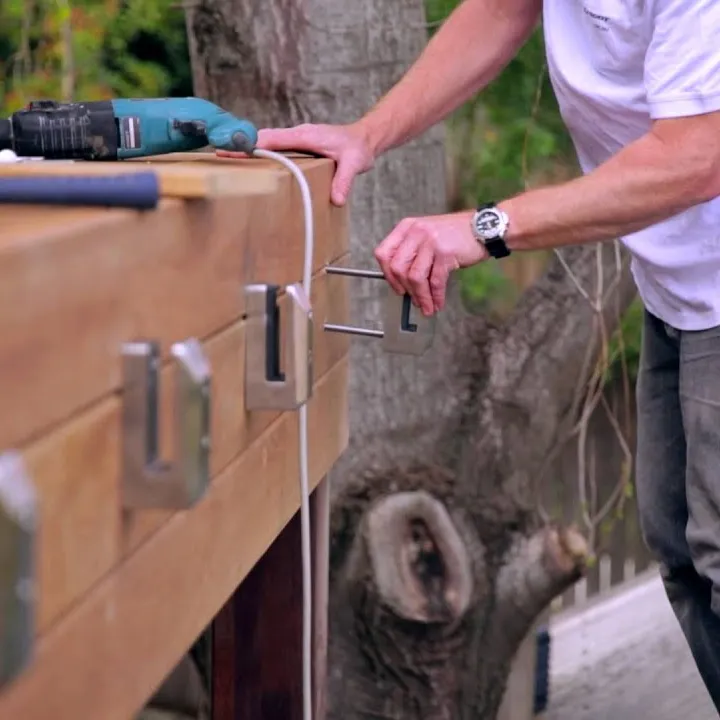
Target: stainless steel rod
column 354, row 272
column 351, row 330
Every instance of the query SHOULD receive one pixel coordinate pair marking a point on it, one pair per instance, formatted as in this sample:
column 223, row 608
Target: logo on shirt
column 601, row 22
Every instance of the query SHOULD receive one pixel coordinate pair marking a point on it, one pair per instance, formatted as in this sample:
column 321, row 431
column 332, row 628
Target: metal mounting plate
column 148, row 481
column 278, row 348
column 405, row 331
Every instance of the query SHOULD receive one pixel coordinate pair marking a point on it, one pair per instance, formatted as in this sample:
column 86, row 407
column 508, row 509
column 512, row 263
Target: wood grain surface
column 77, row 466
column 76, row 284
column 114, row 647
column 178, row 179
column 122, row 595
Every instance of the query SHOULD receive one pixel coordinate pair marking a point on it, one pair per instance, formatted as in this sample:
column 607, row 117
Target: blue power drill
column 121, row 129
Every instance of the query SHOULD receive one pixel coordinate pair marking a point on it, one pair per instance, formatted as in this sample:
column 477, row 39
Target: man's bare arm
column 673, row 167
column 471, row 48
column 670, row 169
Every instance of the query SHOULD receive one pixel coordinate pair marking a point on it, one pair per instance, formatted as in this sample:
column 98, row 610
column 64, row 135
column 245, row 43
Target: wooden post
column 257, row 635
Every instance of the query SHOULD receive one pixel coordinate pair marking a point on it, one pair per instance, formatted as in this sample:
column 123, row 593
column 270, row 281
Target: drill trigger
column 190, row 128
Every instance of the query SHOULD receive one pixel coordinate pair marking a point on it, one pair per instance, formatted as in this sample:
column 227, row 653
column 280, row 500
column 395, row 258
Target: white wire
column 303, row 431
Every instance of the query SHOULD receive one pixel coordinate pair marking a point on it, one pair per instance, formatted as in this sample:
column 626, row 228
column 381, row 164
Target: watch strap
column 497, row 247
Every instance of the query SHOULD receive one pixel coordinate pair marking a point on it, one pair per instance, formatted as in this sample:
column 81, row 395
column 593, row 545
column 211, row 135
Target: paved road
column 625, row 658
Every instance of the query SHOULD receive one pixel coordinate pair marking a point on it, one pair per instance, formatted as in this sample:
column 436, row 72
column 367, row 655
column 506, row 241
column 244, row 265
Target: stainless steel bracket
column 404, row 331
column 148, row 481
column 278, row 348
column 18, row 531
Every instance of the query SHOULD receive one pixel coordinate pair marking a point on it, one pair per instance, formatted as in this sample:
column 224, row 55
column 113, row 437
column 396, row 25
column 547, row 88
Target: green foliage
column 626, row 340
column 114, row 48
column 485, row 286
column 506, row 136
column 511, row 126
column 511, row 131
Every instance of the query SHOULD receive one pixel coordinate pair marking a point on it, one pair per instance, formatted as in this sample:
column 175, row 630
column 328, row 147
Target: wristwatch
column 489, row 226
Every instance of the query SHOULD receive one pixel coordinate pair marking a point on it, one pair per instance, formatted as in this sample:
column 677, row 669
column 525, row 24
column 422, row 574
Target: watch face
column 489, row 223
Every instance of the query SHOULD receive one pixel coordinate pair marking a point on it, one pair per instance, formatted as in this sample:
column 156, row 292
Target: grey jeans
column 678, row 479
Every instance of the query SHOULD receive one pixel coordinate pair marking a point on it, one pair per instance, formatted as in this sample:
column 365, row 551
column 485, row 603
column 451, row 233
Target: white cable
column 303, row 430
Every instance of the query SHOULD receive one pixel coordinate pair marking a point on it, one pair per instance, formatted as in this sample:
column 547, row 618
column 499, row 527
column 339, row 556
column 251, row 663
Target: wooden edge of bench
column 175, row 180
column 111, row 651
column 76, row 467
column 96, row 290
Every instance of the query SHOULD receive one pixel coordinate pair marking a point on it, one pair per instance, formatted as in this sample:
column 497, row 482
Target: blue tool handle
column 133, row 190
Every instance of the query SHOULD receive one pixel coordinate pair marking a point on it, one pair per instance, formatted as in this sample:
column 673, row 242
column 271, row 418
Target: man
column 638, row 84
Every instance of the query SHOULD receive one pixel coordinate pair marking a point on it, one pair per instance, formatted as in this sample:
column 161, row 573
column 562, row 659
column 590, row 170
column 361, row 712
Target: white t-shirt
column 615, row 65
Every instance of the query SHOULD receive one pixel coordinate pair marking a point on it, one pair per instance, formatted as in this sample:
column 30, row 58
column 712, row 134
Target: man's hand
column 473, row 45
column 418, row 256
column 347, row 145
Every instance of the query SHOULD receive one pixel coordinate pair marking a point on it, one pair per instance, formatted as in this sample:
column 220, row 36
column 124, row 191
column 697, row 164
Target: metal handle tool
column 400, row 333
column 132, row 190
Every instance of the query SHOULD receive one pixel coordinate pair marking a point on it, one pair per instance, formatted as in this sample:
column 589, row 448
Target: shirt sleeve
column 682, row 64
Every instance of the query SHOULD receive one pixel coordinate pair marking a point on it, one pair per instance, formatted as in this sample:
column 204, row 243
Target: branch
column 402, row 608
column 407, row 410
column 534, row 366
column 419, row 563
column 536, row 570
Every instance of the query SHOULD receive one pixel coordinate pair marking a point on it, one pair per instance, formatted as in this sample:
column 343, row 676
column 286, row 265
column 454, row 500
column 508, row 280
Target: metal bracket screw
column 400, row 334
column 148, row 481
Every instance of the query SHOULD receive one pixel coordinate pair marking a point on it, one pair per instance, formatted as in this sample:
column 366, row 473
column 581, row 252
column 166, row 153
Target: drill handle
column 233, row 134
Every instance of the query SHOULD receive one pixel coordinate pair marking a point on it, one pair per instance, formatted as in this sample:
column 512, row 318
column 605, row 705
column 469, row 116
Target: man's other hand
column 347, row 145
column 418, row 256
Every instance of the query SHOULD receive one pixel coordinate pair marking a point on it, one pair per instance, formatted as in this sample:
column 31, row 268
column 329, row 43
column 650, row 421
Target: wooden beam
column 76, row 468
column 176, row 180
column 110, row 652
column 257, row 639
column 257, row 636
column 75, row 285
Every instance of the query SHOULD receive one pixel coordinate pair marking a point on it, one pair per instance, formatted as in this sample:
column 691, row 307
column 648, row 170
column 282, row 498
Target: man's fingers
column 299, row 138
column 343, row 180
column 438, row 282
column 418, row 275
column 385, row 253
column 302, row 137
column 403, row 259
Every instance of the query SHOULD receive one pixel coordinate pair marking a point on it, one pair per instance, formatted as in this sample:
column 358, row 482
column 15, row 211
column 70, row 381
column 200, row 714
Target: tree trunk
column 439, row 563
column 283, row 63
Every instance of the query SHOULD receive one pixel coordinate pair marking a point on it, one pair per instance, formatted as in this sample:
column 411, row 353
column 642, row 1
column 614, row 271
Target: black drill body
column 75, row 131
